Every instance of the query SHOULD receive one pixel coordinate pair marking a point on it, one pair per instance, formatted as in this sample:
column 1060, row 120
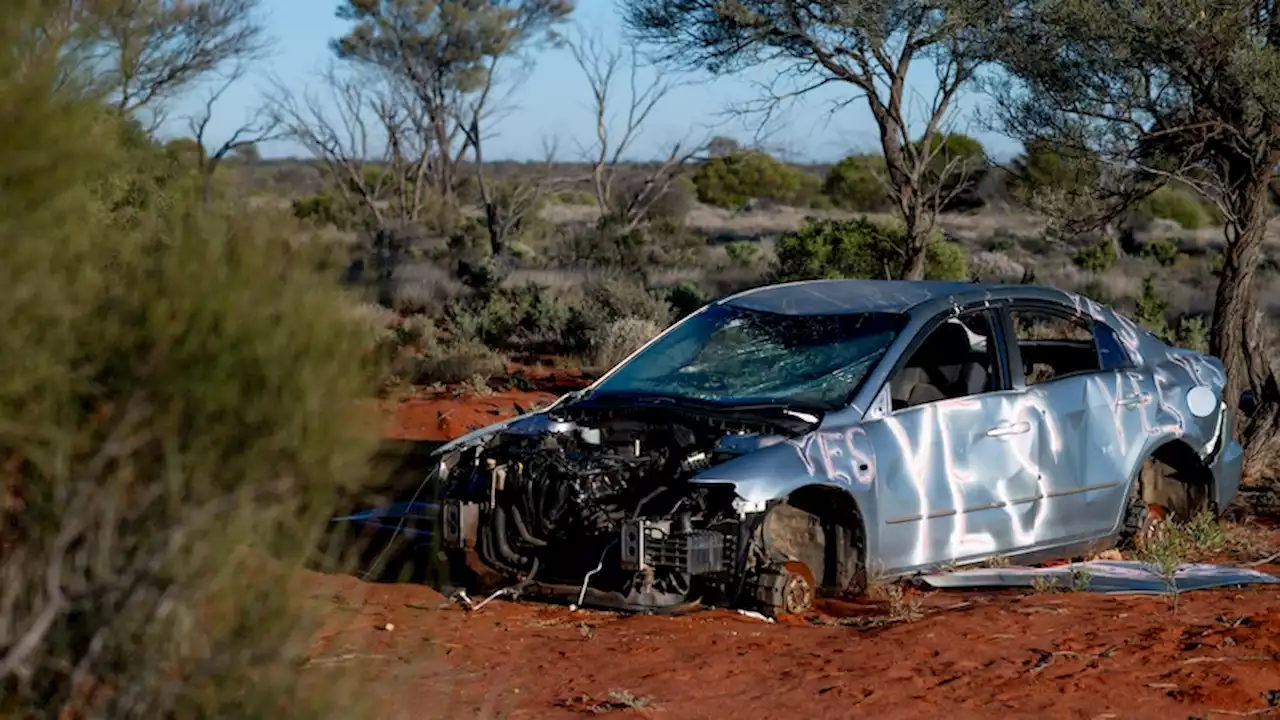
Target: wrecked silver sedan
column 799, row 438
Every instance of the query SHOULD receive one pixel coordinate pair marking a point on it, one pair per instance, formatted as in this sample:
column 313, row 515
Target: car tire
column 1139, row 515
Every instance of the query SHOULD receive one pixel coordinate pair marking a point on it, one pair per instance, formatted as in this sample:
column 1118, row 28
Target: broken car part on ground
column 796, row 438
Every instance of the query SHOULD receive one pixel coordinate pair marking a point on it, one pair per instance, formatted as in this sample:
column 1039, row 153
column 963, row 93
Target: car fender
column 842, row 459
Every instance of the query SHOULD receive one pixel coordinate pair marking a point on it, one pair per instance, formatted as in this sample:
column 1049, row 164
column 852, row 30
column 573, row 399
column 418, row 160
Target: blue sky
column 553, row 101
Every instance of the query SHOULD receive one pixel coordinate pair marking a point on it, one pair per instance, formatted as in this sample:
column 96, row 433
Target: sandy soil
column 441, row 415
column 927, row 654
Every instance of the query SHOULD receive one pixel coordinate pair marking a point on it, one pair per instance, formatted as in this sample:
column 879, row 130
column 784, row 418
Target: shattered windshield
column 736, row 356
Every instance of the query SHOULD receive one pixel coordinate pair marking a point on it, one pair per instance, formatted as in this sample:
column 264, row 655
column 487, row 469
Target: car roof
column 838, row 297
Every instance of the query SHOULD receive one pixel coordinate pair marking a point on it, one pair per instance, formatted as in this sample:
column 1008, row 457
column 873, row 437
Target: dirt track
column 970, row 654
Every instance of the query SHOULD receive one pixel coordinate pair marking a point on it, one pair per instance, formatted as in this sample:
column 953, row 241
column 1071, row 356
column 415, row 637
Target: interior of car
column 955, row 360
column 1052, row 345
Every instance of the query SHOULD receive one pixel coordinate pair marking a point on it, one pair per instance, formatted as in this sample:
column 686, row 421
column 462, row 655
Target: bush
column 855, row 183
column 606, row 300
column 1098, row 256
column 1151, row 308
column 175, row 425
column 686, row 298
column 1176, row 204
column 456, row 362
column 324, row 209
column 1192, row 333
column 1097, row 292
column 1045, row 167
column 1162, row 252
column 744, row 253
column 612, row 343
column 524, row 317
column 733, row 180
column 860, row 248
column 957, row 159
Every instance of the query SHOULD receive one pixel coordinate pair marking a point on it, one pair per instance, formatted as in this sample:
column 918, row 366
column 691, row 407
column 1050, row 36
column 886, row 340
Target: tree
column 441, row 54
column 868, row 47
column 261, row 126
column 603, row 68
column 166, row 462
column 149, row 51
column 1187, row 92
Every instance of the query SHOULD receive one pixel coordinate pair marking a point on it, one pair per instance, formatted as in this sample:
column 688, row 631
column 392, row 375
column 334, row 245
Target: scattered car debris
column 1105, row 576
column 755, row 615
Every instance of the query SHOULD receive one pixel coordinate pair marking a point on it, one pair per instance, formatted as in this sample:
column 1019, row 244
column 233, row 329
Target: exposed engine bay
column 596, row 507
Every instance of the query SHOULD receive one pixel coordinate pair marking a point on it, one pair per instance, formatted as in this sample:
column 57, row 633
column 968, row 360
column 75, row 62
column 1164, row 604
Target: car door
column 955, row 464
column 1085, row 399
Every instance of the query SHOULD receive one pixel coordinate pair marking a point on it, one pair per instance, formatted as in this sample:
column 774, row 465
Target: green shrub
column 1162, row 252
column 744, row 253
column 1151, row 308
column 1097, row 292
column 176, row 398
column 455, row 362
column 1098, row 256
column 1177, row 204
column 856, row 183
column 1192, row 333
column 1045, row 167
column 607, row 299
column 612, row 343
column 511, row 317
column 860, row 248
column 324, row 209
column 734, row 179
column 957, row 158
column 685, row 298
column 1002, row 244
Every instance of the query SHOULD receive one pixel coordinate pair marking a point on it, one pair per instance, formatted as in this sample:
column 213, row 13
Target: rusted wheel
column 798, row 589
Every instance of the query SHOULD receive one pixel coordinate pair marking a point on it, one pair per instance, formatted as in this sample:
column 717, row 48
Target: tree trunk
column 915, row 246
column 905, row 186
column 1235, row 336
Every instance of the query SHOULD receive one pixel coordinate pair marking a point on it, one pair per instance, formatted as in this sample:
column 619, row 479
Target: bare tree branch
column 261, row 126
column 602, row 67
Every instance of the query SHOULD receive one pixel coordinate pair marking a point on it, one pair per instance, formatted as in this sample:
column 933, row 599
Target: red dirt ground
column 439, row 416
column 970, row 655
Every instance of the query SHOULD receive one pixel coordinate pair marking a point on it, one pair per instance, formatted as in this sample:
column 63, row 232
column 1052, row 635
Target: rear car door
column 1074, row 374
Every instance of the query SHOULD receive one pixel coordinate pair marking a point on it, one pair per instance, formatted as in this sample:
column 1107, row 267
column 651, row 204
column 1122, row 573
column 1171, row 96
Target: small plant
column 1150, row 310
column 1080, row 579
column 1192, row 333
column 626, row 700
column 1003, row 244
column 614, row 342
column 902, row 608
column 1097, row 292
column 1162, row 252
column 1098, row 256
column 685, row 298
column 744, row 253
column 1044, row 584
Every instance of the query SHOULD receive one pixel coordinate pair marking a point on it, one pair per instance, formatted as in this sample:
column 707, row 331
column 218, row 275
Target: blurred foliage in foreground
column 176, row 390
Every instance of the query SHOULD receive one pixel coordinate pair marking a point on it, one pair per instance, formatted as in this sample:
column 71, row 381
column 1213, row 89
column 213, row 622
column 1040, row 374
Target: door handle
column 1129, row 401
column 1006, row 429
